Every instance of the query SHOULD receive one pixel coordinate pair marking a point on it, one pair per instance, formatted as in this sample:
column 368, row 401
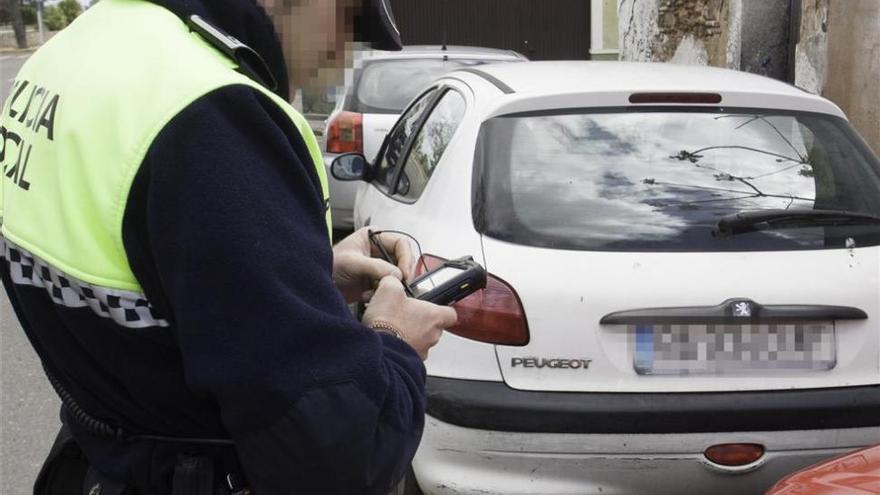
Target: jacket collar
column 244, row 20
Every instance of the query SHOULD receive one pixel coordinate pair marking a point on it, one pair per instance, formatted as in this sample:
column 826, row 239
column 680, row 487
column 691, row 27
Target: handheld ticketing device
column 451, row 282
column 446, row 285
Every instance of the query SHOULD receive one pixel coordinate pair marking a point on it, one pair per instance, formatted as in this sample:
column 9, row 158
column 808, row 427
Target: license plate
column 718, row 349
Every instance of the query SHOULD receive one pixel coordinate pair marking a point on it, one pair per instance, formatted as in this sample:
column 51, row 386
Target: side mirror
column 350, row 167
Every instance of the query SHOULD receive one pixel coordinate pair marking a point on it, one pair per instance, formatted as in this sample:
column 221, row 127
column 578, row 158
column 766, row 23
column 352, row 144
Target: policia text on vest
column 65, row 183
column 35, row 107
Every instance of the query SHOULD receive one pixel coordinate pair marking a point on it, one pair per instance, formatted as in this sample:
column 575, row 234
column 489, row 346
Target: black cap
column 377, row 26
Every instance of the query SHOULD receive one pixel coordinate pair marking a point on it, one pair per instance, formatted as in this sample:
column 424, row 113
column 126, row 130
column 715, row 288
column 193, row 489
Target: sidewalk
column 14, row 51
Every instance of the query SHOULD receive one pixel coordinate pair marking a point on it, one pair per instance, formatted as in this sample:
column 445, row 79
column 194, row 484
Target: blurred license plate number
column 718, row 349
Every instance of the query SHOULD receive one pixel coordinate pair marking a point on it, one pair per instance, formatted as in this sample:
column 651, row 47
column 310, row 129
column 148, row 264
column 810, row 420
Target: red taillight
column 494, row 314
column 643, row 98
column 734, row 454
column 345, row 133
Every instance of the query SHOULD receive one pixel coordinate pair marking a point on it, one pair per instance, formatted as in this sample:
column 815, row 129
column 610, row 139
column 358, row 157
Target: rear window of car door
column 429, row 145
column 399, row 138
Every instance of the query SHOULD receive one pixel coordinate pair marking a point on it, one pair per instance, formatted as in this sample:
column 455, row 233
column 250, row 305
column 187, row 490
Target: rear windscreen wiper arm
column 752, row 221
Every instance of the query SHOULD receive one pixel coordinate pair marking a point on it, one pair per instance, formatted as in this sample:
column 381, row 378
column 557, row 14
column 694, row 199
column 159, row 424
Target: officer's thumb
column 389, row 287
column 448, row 316
column 439, row 316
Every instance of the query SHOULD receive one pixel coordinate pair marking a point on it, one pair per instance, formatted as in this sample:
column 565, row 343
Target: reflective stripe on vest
column 80, row 118
column 128, row 309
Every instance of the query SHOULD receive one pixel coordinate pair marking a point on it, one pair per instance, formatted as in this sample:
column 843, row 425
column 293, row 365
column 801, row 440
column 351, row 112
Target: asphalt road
column 10, row 63
column 28, row 406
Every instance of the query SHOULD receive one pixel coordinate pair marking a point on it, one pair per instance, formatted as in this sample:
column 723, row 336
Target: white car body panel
column 620, row 98
column 457, row 357
column 562, row 81
column 566, row 293
column 454, row 460
column 376, row 127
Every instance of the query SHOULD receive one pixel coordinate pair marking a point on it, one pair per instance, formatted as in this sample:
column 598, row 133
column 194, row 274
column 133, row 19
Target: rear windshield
column 387, row 86
column 659, row 180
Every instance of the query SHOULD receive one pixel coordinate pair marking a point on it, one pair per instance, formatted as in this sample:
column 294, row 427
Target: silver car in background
column 378, row 89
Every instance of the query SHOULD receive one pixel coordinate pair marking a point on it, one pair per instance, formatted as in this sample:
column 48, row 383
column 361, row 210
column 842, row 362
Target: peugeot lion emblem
column 742, row 309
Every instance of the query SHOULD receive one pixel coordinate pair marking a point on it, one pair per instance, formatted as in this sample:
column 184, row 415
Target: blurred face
column 317, row 38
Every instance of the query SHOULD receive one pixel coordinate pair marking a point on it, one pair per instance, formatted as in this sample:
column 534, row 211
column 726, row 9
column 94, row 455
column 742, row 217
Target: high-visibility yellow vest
column 80, row 118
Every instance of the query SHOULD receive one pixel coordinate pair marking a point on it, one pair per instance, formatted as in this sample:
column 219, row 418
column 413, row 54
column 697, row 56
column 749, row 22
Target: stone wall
column 691, row 31
column 681, row 31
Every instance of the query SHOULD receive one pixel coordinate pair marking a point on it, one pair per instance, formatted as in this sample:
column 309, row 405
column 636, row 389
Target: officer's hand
column 419, row 323
column 357, row 266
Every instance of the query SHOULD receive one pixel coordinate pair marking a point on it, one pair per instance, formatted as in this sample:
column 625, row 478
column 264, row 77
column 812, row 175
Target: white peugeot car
column 380, row 87
column 684, row 291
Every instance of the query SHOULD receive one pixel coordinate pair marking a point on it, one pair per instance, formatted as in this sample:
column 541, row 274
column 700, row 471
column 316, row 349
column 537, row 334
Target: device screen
column 437, row 279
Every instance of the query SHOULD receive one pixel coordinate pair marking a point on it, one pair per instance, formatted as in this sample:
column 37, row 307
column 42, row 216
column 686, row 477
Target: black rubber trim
column 724, row 314
column 492, row 79
column 497, row 407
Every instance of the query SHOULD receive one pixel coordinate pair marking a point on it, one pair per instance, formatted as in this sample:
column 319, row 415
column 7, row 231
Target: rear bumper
column 495, row 406
column 456, row 460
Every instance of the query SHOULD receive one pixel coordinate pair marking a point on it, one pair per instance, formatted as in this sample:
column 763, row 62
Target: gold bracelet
column 385, row 327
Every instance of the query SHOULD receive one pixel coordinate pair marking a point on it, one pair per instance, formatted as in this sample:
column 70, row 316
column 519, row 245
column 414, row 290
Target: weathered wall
column 811, row 53
column 765, row 37
column 853, row 64
column 693, row 31
column 638, row 29
column 680, row 31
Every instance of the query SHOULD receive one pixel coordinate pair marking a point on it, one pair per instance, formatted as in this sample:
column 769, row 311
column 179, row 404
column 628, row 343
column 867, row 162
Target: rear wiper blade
column 752, row 221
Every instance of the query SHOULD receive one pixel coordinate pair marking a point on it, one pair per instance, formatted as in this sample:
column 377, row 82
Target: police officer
column 166, row 247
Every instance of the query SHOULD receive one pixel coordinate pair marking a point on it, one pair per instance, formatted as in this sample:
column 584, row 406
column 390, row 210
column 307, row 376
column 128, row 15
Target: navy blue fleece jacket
column 224, row 230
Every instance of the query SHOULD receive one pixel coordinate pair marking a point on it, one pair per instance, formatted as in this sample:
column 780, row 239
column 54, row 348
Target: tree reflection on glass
column 431, row 143
column 661, row 179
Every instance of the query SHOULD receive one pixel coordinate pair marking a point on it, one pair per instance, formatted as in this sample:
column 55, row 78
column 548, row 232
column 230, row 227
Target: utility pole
column 445, row 29
column 40, row 21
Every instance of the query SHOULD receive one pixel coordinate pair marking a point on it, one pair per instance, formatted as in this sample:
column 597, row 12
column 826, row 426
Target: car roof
column 452, row 51
column 574, row 77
